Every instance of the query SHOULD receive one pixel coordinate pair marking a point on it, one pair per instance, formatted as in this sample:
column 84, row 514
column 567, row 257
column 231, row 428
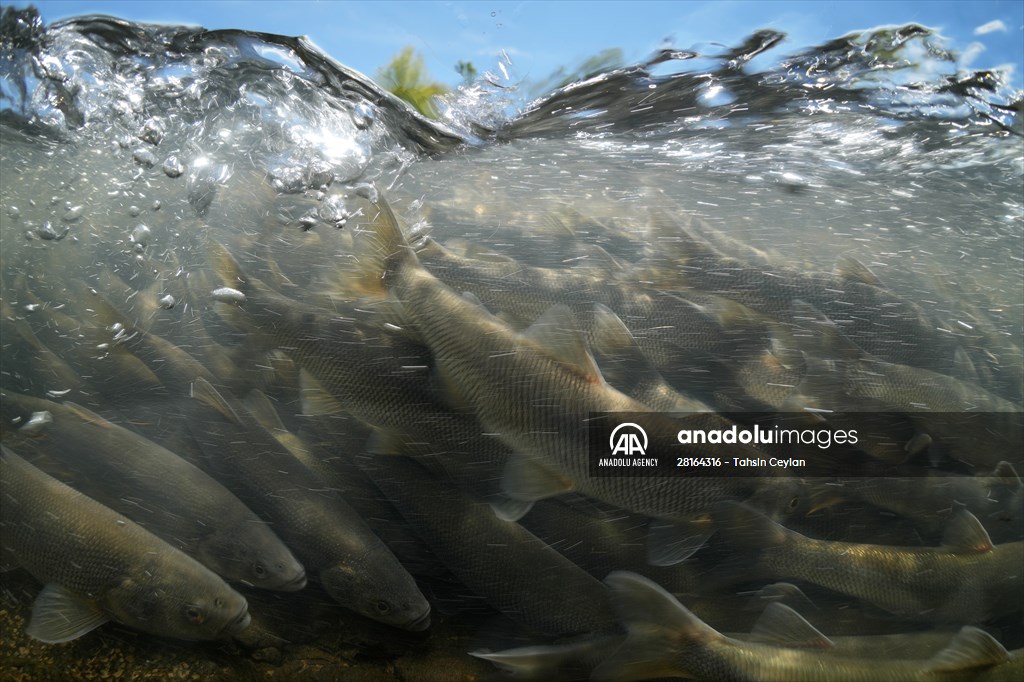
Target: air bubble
column 73, row 214
column 228, row 295
column 363, row 115
column 141, row 235
column 152, row 131
column 144, row 157
column 173, row 168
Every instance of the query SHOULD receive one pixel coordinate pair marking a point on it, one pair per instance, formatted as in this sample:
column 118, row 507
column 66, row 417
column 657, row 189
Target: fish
column 966, row 580
column 996, row 499
column 160, row 491
column 490, row 556
column 779, row 626
column 962, row 419
column 98, row 566
column 889, row 326
column 325, row 533
column 664, row 639
column 533, row 389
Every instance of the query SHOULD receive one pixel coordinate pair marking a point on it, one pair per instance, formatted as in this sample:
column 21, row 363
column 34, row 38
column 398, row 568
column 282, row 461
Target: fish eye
column 793, row 503
column 194, row 615
column 383, row 606
column 218, row 602
column 259, row 570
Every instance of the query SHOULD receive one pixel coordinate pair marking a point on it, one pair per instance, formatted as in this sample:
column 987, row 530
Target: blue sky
column 538, row 37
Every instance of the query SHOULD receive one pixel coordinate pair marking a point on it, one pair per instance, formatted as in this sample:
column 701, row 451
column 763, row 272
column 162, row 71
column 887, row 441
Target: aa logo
column 628, row 439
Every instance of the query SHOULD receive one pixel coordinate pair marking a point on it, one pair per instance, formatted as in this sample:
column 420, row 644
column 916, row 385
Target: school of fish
column 184, row 428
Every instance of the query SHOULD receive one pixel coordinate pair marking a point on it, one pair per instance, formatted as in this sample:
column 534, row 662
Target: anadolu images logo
column 628, row 439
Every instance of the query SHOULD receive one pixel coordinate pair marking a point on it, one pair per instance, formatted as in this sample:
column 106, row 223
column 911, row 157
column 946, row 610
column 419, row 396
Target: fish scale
column 535, row 403
column 61, row 536
column 159, row 490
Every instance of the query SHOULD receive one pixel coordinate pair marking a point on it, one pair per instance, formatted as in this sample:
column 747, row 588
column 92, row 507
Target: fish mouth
column 421, row 623
column 295, row 584
column 239, row 622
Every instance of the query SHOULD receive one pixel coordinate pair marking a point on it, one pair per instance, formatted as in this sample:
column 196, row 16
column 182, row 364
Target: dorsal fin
column 611, row 336
column 673, row 542
column 852, row 270
column 557, row 334
column 780, row 592
column 263, row 411
column 205, row 393
column 782, row 626
column 596, row 258
column 971, row 648
column 966, row 535
column 963, row 366
column 830, row 337
column 668, row 235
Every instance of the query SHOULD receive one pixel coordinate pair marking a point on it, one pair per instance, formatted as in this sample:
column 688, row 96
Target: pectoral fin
column 58, row 615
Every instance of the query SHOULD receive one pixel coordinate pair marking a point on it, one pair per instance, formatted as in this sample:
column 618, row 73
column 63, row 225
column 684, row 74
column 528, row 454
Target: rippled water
column 130, row 148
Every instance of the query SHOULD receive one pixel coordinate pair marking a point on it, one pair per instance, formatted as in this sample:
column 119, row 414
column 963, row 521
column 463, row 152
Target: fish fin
column 747, row 527
column 677, row 238
column 549, row 661
column 316, row 402
column 557, row 334
column 970, row 648
column 671, row 543
column 59, row 615
column 656, row 623
column 732, row 315
column 1006, row 476
column 226, row 267
column 558, row 225
column 779, row 592
column 526, row 480
column 262, row 410
column 508, row 509
column 88, row 415
column 387, row 443
column 828, row 335
column 472, row 298
column 597, row 259
column 782, row 626
column 965, row 535
column 386, row 251
column 611, row 336
column 209, row 396
column 852, row 270
column 963, row 366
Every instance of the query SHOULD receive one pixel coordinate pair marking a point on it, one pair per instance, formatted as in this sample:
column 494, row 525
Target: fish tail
column 745, row 527
column 657, row 625
column 387, row 253
column 227, row 268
